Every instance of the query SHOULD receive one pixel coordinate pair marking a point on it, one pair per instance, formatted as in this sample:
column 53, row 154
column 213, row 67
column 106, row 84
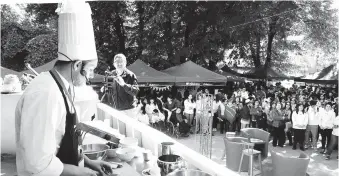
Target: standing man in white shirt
column 312, row 127
column 46, row 140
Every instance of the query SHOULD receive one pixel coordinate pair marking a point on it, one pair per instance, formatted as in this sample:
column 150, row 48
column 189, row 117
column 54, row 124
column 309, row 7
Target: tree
column 164, row 34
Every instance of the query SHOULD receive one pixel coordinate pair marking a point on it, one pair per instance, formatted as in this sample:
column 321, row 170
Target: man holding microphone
column 125, row 86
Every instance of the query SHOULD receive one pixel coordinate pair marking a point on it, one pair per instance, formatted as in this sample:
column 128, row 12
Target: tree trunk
column 140, row 10
column 271, row 34
column 119, row 29
column 255, row 55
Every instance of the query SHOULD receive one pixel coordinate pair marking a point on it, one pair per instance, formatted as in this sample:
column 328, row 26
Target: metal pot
column 166, row 148
column 188, row 172
column 94, row 151
column 169, row 163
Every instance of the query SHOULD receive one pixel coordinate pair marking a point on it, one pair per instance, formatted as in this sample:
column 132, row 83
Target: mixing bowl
column 94, row 151
column 126, row 154
column 188, row 172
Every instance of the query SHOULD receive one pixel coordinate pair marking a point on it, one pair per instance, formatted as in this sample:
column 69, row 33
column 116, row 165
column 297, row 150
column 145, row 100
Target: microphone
column 84, row 73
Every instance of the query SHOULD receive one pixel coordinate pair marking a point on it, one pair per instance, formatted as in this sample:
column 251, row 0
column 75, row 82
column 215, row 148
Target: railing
column 151, row 139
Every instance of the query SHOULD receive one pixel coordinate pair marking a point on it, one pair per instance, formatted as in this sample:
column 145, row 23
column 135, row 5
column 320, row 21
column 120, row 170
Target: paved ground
column 318, row 166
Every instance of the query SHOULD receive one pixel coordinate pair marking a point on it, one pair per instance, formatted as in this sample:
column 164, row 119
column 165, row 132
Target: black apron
column 68, row 151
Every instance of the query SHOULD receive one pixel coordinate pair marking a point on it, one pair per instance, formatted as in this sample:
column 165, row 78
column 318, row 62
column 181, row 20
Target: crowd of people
column 300, row 114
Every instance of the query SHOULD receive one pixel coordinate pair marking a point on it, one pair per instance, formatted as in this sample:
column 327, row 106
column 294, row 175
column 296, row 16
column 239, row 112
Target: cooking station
column 144, row 162
column 112, row 126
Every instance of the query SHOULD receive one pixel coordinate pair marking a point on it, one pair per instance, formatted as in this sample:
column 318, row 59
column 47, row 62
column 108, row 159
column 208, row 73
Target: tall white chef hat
column 75, row 31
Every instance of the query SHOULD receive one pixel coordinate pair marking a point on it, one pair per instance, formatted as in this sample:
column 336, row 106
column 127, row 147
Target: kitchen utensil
column 169, row 163
column 94, row 151
column 166, row 148
column 188, row 172
column 126, row 154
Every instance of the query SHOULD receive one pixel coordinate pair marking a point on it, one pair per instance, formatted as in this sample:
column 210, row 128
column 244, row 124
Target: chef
column 47, row 144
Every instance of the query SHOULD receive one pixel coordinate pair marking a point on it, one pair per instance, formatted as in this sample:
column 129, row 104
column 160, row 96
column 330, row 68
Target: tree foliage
column 165, row 33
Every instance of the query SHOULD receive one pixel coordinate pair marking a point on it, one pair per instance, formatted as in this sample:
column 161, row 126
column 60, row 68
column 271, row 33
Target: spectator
column 181, row 121
column 159, row 102
column 312, row 127
column 142, row 115
column 245, row 115
column 300, row 121
column 169, row 107
column 334, row 138
column 256, row 113
column 278, row 126
column 151, row 106
column 288, row 123
column 157, row 116
column 326, row 125
column 189, row 110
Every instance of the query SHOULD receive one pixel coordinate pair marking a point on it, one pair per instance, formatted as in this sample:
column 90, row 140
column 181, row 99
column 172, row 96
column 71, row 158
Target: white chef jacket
column 40, row 118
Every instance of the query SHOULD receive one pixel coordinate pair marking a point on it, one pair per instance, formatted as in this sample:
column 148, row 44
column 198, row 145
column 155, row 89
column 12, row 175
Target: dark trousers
column 289, row 136
column 254, row 124
column 262, row 124
column 225, row 126
column 215, row 120
column 237, row 125
column 299, row 137
column 333, row 144
column 278, row 136
column 325, row 137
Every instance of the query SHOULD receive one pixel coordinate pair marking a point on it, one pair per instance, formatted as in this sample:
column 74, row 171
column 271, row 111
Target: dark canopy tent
column 48, row 66
column 328, row 75
column 260, row 73
column 6, row 71
column 231, row 75
column 147, row 74
column 189, row 72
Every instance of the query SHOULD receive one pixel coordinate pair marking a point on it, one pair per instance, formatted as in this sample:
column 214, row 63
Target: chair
column 233, row 146
column 258, row 134
column 250, row 152
column 291, row 166
column 228, row 134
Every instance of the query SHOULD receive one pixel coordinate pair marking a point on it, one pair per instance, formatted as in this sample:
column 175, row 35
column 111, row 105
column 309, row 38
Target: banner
column 161, row 88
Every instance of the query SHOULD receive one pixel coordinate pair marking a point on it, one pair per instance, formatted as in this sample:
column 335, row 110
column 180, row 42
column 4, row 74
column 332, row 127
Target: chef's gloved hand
column 104, row 168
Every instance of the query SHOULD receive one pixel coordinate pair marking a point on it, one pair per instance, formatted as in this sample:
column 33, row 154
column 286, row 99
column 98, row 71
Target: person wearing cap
column 47, row 143
column 125, row 86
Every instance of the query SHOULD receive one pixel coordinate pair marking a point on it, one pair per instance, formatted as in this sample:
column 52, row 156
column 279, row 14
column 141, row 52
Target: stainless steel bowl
column 169, row 163
column 188, row 172
column 94, row 151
